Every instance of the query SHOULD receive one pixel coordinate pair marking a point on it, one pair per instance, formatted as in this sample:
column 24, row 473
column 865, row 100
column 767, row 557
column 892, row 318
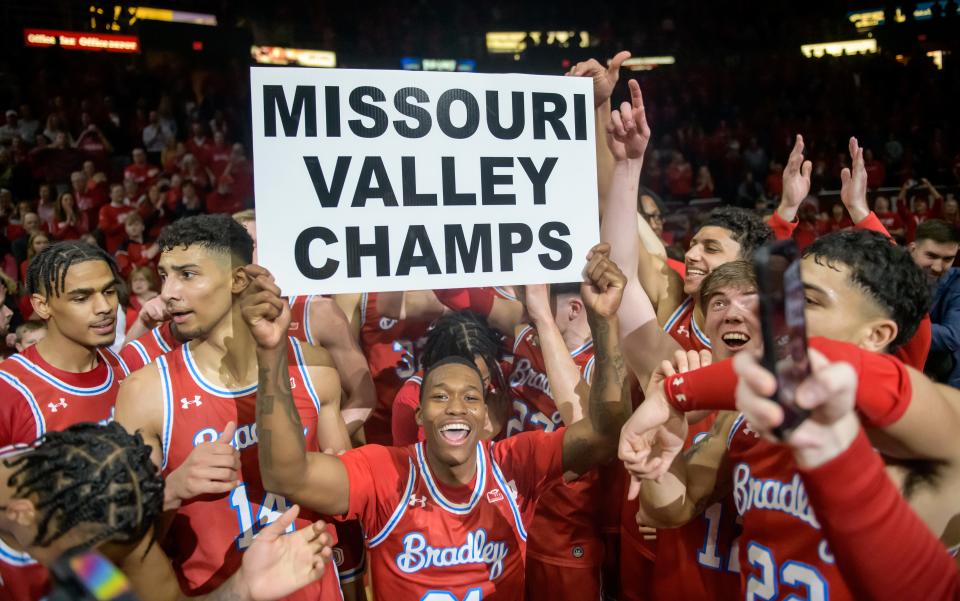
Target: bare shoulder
column 139, row 401
column 316, row 356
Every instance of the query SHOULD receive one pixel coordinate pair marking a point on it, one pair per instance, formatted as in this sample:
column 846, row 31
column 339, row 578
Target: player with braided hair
column 463, row 334
column 96, row 486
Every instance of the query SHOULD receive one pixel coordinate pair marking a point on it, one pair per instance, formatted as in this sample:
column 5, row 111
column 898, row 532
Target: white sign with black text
column 391, row 180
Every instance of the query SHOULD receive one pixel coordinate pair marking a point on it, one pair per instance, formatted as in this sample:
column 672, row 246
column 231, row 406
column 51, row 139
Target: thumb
column 228, row 432
column 634, row 489
column 806, row 169
column 613, row 68
column 276, row 529
column 844, row 176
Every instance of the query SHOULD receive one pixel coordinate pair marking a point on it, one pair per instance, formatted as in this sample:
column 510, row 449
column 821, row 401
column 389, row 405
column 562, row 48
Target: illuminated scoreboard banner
column 81, row 40
column 515, row 42
column 407, row 180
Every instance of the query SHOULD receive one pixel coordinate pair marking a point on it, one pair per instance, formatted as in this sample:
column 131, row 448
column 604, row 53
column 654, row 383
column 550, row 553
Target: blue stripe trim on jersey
column 58, row 383
column 9, row 555
column 733, row 429
column 583, row 348
column 699, row 334
column 160, row 341
column 302, row 368
column 399, row 511
column 306, row 320
column 141, row 350
column 166, row 389
column 415, row 379
column 351, row 575
column 520, row 336
column 502, row 292
column 31, row 401
column 677, row 313
column 120, row 361
column 207, row 386
column 588, row 370
column 498, row 476
column 455, row 508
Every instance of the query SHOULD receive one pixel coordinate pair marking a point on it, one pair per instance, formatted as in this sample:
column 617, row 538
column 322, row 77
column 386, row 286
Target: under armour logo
column 678, row 381
column 415, row 500
column 185, row 404
column 54, row 407
column 681, row 398
column 494, row 496
column 386, row 323
column 293, row 326
column 748, row 430
column 293, row 383
column 683, row 331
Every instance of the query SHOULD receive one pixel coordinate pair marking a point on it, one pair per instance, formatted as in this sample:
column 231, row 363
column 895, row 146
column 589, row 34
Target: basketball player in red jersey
column 95, row 486
column 68, row 377
column 318, row 320
column 861, row 287
column 447, row 518
column 196, row 393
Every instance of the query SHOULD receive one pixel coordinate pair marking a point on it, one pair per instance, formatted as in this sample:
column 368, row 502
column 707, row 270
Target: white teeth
column 695, row 272
column 457, row 426
column 736, row 336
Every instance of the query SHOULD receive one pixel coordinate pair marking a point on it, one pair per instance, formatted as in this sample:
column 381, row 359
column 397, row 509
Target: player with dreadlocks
column 96, row 486
column 463, row 334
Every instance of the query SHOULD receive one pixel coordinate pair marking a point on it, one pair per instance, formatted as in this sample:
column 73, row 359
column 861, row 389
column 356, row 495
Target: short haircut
column 148, row 274
column 132, row 217
column 216, row 232
column 465, row 334
column 938, row 231
column 885, row 272
column 31, row 325
column 746, row 227
column 568, row 288
column 734, row 274
column 451, row 360
column 47, row 272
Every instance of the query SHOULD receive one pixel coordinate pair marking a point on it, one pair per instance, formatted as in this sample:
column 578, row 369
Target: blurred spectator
column 45, row 206
column 889, row 218
column 69, row 221
column 774, row 180
column 190, row 203
column 704, row 187
column 193, row 170
column 7, row 287
column 934, row 251
column 29, row 333
column 876, row 170
column 749, row 192
column 92, row 141
column 838, row 220
column 55, row 127
column 679, row 177
column 140, row 171
column 199, row 145
column 54, row 163
column 29, row 126
column 807, row 228
column 223, row 200
column 20, row 245
column 35, row 243
column 756, row 160
column 10, row 129
column 218, row 125
column 112, row 219
column 220, row 153
column 135, row 250
column 156, row 136
column 951, row 210
column 144, row 286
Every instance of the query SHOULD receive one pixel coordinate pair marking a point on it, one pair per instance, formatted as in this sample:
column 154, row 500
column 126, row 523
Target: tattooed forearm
column 606, row 394
column 282, row 448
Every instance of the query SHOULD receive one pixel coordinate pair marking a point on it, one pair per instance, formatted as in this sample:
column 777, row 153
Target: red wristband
column 782, row 229
column 478, row 300
column 713, row 387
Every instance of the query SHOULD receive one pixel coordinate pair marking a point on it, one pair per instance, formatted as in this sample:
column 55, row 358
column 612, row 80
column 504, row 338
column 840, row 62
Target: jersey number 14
column 271, row 508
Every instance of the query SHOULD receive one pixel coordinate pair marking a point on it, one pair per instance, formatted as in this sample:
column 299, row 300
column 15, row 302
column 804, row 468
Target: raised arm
column 593, row 440
column 853, row 192
column 644, row 342
column 566, row 385
column 316, row 480
column 796, row 187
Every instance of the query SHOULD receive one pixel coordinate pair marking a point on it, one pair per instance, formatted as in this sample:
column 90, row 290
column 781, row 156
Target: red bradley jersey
column 39, row 398
column 392, row 349
column 699, row 560
column 209, row 534
column 684, row 329
column 300, row 318
column 783, row 552
column 149, row 346
column 565, row 528
column 429, row 541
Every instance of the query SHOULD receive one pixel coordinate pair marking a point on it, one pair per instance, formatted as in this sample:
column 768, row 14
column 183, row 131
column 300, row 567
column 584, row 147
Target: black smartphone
column 782, row 301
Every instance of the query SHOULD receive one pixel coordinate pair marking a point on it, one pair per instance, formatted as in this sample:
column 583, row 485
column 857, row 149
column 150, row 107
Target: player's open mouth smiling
column 455, row 432
column 735, row 340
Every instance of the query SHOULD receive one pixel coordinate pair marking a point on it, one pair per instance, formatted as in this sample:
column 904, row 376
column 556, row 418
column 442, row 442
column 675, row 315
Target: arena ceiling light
column 867, row 46
column 515, row 42
column 867, row 19
column 278, row 55
column 80, row 40
column 648, row 63
column 121, row 17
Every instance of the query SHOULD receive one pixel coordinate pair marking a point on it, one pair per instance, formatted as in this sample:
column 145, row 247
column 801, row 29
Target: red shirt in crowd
column 111, row 223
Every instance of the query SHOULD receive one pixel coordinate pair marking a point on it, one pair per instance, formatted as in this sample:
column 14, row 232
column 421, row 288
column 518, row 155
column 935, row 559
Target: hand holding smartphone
column 782, row 300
